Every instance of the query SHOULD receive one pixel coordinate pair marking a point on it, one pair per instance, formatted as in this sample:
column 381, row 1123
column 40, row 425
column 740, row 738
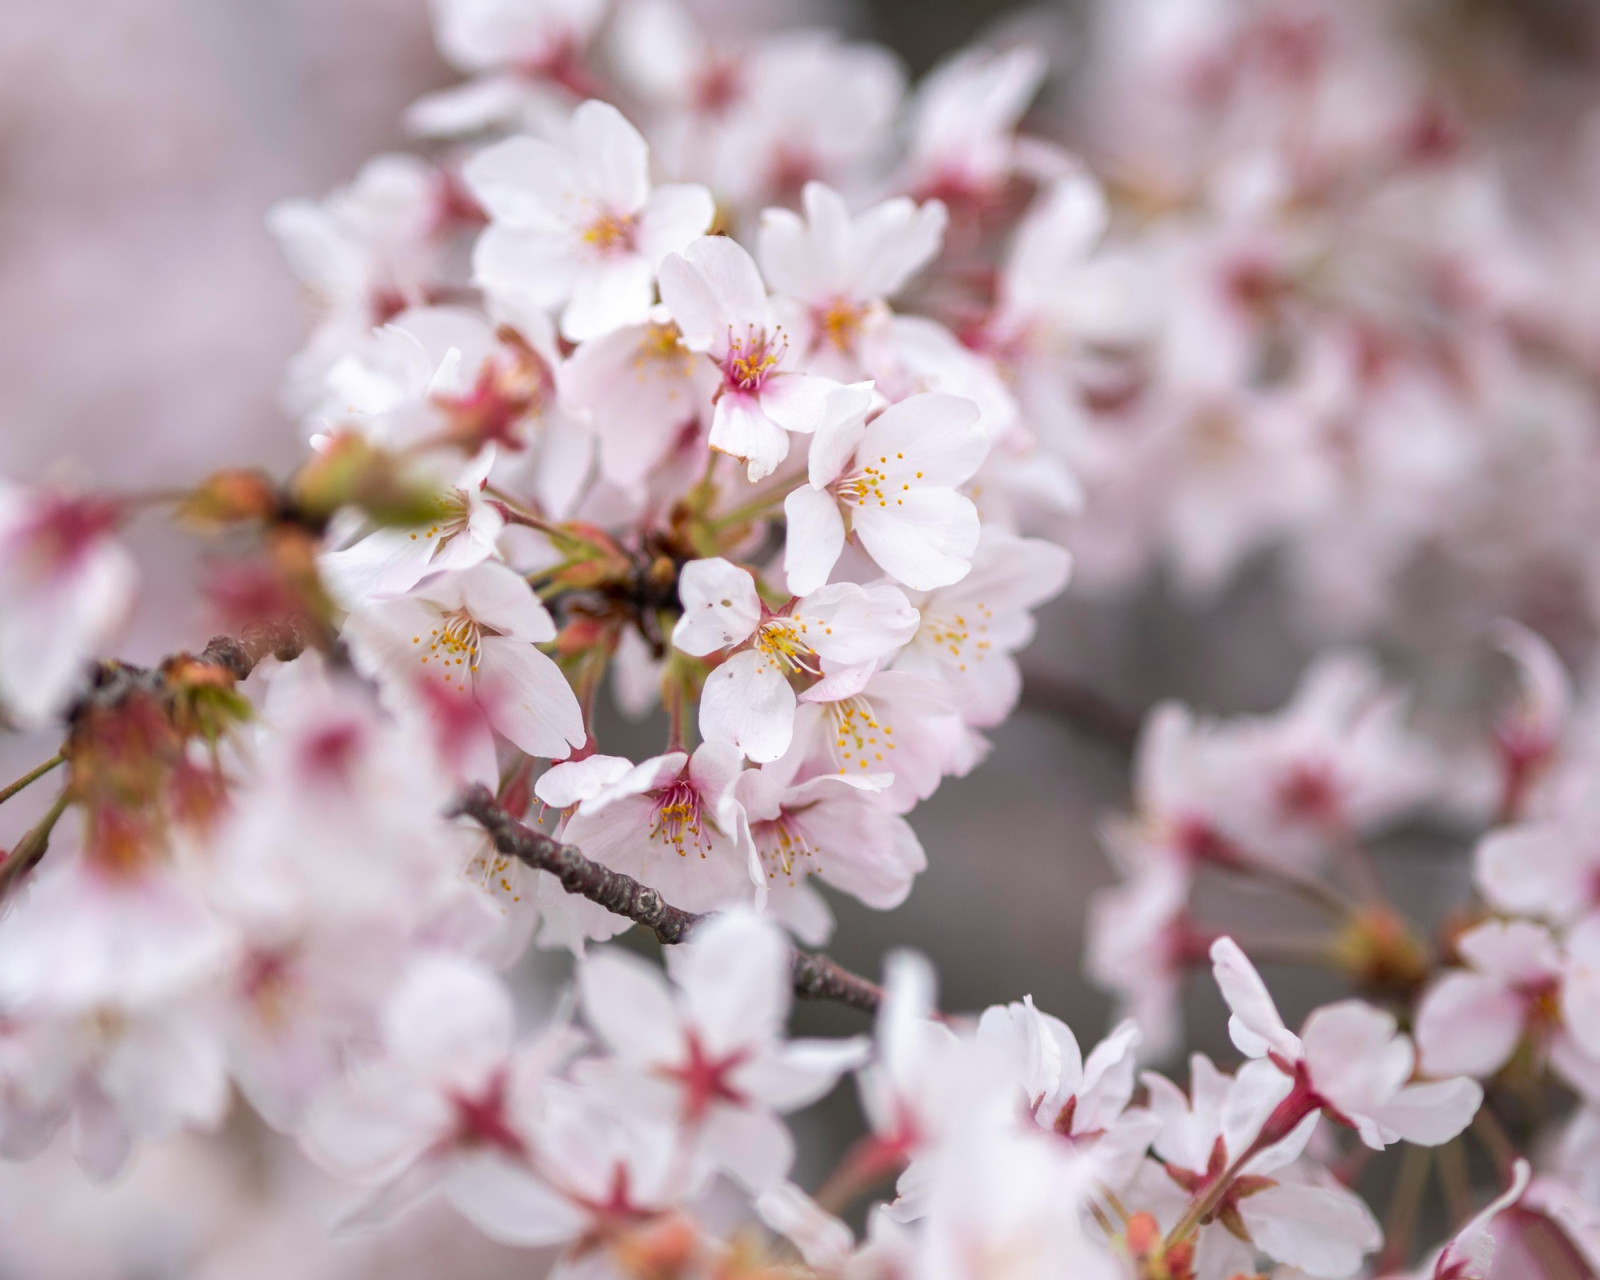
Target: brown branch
column 115, row 682
column 578, row 874
column 816, row 976
column 1091, row 714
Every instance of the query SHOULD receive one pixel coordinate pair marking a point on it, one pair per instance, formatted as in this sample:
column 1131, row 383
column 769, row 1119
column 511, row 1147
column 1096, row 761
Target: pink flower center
column 60, row 533
column 611, row 233
column 752, row 358
column 678, row 820
column 481, row 1120
column 704, row 1078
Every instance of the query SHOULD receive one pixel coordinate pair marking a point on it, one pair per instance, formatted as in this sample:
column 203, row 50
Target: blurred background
column 145, row 320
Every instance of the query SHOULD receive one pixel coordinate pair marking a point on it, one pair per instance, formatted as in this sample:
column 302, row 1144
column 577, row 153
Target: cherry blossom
column 843, row 268
column 833, row 827
column 476, row 629
column 449, row 1103
column 671, row 822
column 1272, row 1205
column 577, row 226
column 1082, row 1100
column 715, row 295
column 834, row 636
column 707, row 1053
column 1348, row 1061
column 896, row 481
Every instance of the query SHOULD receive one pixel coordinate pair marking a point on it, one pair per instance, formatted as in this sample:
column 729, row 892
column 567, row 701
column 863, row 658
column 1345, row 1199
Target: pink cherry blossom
column 715, row 295
column 1348, row 1061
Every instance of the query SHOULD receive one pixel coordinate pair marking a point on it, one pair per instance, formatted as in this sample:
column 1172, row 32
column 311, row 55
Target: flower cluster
column 735, row 383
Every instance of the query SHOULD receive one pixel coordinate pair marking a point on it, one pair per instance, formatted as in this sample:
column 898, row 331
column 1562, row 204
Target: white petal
column 814, row 540
column 1322, row 1230
column 499, row 597
column 721, row 607
column 798, row 402
column 1467, row 1025
column 937, row 432
column 711, row 287
column 1255, row 1026
column 449, row 1019
column 925, row 537
column 608, row 295
column 677, row 213
column 740, row 427
column 527, row 698
column 748, row 703
column 612, row 156
column 1432, row 1113
column 626, row 1001
column 510, row 1205
column 734, row 978
column 565, row 785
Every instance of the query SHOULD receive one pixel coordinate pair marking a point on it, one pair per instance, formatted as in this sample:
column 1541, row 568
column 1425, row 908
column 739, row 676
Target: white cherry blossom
column 1279, row 1207
column 708, row 1053
column 449, row 1102
column 836, row 828
column 575, row 225
column 671, row 822
column 843, row 268
column 475, row 630
column 832, row 637
column 893, row 484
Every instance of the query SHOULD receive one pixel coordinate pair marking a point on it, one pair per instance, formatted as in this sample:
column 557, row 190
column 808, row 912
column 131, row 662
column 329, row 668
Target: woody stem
column 815, row 976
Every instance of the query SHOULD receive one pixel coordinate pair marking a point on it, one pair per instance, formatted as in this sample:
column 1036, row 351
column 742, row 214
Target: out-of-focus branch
column 238, row 656
column 816, row 976
column 1082, row 709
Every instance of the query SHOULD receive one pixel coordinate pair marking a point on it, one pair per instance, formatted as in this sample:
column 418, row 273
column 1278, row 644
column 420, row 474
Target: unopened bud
column 232, row 496
column 353, row 472
column 1378, row 949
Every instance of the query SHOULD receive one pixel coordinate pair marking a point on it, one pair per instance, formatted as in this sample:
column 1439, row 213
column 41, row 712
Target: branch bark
column 1090, row 713
column 816, row 976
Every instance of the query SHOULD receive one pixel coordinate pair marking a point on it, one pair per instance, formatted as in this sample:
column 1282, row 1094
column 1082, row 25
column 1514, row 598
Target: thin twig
column 1089, row 713
column 816, row 976
column 1405, row 1208
column 33, row 775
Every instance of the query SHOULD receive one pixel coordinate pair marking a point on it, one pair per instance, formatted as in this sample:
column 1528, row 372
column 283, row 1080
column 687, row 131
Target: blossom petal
column 748, row 704
column 627, row 1003
column 925, row 540
column 527, row 698
column 721, row 607
column 815, row 538
column 1255, row 1026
